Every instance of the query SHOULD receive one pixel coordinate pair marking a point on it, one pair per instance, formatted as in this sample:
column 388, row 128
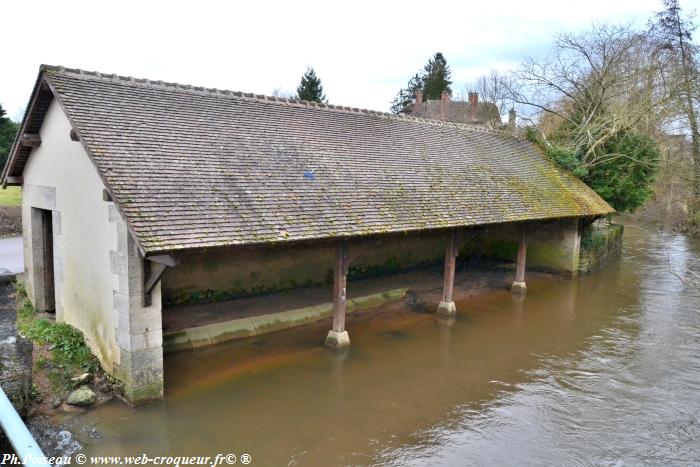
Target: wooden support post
column 340, row 283
column 519, row 283
column 338, row 337
column 447, row 305
column 450, row 264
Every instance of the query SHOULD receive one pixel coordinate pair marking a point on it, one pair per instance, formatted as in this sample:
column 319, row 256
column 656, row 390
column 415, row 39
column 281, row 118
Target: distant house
column 471, row 112
column 138, row 193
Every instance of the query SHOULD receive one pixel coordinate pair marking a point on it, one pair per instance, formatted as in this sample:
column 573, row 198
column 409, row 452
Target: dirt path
column 10, row 221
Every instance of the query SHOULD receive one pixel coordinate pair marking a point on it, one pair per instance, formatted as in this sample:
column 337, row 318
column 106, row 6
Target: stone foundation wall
column 552, row 246
column 600, row 243
column 139, row 329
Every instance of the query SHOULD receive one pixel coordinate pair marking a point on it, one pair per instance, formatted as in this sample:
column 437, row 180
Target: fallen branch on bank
column 694, row 282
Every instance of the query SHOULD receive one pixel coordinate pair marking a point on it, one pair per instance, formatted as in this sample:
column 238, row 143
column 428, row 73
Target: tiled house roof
column 455, row 111
column 193, row 168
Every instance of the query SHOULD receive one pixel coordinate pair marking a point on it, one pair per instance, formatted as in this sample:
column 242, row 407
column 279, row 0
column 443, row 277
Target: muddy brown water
column 599, row 370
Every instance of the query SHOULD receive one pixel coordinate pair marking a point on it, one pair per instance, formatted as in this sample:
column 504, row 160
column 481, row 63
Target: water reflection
column 604, row 369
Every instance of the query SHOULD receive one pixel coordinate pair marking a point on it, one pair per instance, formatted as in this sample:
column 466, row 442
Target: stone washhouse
column 141, row 193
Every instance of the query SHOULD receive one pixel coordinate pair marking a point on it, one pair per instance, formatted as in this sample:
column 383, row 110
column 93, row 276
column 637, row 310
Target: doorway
column 44, row 276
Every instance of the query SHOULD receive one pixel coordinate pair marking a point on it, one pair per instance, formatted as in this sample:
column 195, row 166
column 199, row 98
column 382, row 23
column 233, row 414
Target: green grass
column 11, row 196
column 69, row 353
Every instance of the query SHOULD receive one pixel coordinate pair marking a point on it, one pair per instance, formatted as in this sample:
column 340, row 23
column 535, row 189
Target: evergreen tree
column 626, row 179
column 405, row 95
column 432, row 81
column 8, row 131
column 310, row 88
column 436, row 79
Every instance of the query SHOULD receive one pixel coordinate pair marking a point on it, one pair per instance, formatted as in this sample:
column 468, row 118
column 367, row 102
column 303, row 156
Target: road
column 11, row 256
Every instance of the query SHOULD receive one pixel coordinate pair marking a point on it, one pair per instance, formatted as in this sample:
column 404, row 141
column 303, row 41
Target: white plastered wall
column 60, row 177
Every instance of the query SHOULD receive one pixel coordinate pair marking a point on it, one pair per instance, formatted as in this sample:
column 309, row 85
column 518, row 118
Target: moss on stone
column 500, row 249
column 142, row 395
column 599, row 244
column 392, row 265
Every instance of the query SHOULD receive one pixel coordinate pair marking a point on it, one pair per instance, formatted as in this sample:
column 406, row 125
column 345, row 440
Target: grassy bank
column 66, row 353
column 11, row 196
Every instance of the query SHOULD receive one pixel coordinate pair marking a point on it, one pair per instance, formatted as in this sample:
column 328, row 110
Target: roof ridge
column 160, row 84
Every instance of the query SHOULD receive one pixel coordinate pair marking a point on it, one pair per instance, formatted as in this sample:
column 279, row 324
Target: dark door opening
column 47, row 242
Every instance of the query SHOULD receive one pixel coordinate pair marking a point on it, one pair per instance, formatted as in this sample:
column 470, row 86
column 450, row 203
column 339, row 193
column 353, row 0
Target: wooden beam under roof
column 30, row 140
column 14, row 181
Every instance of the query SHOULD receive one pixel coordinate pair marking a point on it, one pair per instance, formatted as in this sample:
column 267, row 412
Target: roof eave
column 39, row 85
column 279, row 242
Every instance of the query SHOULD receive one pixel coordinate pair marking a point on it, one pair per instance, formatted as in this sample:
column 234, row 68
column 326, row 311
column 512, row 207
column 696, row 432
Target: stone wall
column 222, row 274
column 601, row 242
column 552, row 246
column 236, row 272
column 59, row 177
column 139, row 329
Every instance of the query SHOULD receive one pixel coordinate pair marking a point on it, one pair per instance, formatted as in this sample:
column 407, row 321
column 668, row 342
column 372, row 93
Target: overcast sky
column 363, row 51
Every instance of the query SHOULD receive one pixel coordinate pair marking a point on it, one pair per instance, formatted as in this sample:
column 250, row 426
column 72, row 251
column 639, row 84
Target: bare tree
column 687, row 276
column 279, row 92
column 672, row 35
column 595, row 85
column 494, row 89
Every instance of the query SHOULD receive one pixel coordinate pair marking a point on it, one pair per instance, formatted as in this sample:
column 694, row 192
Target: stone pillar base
column 447, row 309
column 141, row 375
column 518, row 287
column 136, row 397
column 337, row 340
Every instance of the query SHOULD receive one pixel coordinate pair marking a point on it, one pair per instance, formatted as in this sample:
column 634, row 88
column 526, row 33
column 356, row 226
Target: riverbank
column 15, row 358
column 61, row 362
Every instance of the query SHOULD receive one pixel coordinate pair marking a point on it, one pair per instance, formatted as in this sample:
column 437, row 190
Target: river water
column 599, row 370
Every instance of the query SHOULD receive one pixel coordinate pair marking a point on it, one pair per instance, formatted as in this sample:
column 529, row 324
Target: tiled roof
column 455, row 111
column 192, row 167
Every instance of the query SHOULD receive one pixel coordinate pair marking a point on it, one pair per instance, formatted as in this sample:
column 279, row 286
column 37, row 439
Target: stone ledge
column 263, row 324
